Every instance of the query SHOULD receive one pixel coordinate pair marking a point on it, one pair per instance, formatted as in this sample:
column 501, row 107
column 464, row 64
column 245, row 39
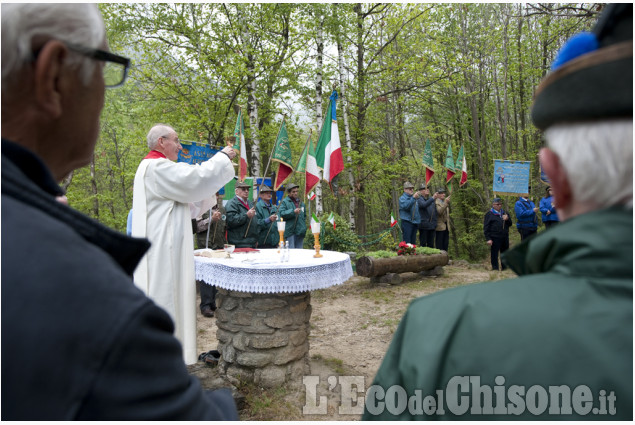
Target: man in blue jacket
column 409, row 213
column 79, row 340
column 527, row 221
column 548, row 209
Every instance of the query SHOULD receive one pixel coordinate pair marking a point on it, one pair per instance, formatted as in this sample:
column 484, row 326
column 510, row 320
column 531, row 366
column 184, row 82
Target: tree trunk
column 369, row 267
column 93, row 185
column 318, row 108
column 252, row 104
column 347, row 135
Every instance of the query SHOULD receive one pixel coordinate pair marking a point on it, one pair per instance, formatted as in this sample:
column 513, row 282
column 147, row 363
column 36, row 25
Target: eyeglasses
column 176, row 140
column 115, row 68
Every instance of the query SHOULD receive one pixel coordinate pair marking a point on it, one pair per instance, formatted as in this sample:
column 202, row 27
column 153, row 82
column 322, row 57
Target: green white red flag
column 462, row 162
column 393, row 220
column 239, row 146
column 328, row 154
column 331, row 219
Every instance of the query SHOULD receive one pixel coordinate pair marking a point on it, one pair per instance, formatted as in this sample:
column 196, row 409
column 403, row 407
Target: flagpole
column 284, row 117
column 306, row 144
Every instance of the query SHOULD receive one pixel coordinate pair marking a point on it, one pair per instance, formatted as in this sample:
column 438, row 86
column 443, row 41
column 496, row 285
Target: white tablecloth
column 263, row 272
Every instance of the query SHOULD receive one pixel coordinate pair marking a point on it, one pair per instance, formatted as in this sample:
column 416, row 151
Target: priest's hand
column 490, row 242
column 229, row 151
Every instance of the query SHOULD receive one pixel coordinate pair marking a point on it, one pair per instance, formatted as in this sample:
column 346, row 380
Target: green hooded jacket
column 238, row 224
column 567, row 321
column 268, row 234
column 296, row 223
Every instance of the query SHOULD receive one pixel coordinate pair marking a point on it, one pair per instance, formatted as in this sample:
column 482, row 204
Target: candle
column 315, row 228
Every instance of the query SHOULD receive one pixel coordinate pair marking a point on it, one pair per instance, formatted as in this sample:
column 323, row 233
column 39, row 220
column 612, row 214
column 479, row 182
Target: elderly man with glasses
column 79, row 340
column 242, row 223
column 167, row 196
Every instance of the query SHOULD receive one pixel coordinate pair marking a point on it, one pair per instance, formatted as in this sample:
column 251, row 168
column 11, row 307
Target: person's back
column 79, row 341
column 565, row 322
column 557, row 342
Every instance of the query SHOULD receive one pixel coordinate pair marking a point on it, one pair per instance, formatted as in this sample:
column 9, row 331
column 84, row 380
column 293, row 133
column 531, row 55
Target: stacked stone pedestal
column 263, row 338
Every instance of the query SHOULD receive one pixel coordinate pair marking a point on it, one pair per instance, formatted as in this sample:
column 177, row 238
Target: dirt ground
column 351, row 328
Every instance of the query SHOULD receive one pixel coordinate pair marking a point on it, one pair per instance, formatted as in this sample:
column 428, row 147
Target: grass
column 265, row 404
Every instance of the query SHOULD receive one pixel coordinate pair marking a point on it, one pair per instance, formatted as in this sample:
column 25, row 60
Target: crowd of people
column 431, row 216
column 113, row 316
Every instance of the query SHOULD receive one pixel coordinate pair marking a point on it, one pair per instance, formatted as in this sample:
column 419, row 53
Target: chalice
column 229, row 249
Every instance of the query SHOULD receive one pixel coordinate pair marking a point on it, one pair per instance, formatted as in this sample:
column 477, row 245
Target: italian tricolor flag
column 328, row 154
column 331, row 220
column 239, row 146
column 308, row 166
column 462, row 162
column 393, row 220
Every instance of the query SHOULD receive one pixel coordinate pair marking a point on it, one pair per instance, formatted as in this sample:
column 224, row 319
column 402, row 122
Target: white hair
column 598, row 159
column 25, row 26
column 158, row 130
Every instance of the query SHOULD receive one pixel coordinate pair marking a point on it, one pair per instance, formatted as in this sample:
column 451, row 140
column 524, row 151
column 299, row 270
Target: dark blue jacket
column 427, row 212
column 546, row 204
column 525, row 215
column 79, row 340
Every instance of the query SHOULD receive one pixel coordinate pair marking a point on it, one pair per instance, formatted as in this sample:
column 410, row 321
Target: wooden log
column 369, row 267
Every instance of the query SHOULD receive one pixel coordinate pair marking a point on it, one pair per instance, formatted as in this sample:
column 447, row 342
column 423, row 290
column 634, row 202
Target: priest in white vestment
column 167, row 195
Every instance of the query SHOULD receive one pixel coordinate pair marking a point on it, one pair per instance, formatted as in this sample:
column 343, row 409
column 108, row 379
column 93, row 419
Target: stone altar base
column 263, row 338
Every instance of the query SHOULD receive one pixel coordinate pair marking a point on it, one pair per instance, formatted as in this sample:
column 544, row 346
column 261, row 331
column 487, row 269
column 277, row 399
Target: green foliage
column 340, row 239
column 381, row 254
column 459, row 74
column 427, row 250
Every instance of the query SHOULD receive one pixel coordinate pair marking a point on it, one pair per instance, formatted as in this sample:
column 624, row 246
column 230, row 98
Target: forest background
column 459, row 74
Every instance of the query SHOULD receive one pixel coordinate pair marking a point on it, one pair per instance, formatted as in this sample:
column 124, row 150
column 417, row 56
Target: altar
column 264, row 309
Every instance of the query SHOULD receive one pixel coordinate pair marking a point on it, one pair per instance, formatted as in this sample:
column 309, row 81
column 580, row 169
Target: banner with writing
column 511, row 177
column 195, row 153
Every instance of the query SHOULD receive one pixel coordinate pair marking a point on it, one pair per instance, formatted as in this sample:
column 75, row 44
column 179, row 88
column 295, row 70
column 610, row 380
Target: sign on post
column 511, row 177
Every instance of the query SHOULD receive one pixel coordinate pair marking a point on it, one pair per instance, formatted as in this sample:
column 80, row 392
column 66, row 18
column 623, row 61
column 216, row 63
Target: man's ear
column 49, row 67
column 552, row 166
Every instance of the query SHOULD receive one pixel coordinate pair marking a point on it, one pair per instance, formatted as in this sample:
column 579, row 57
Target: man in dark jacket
column 292, row 211
column 267, row 217
column 79, row 340
column 556, row 342
column 210, row 233
column 428, row 216
column 496, row 226
column 242, row 225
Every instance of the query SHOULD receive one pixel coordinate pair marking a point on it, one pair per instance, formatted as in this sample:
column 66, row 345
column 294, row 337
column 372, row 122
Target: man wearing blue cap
column 556, row 342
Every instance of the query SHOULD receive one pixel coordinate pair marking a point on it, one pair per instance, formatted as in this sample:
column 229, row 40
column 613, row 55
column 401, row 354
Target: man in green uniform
column 267, row 217
column 242, row 225
column 557, row 342
column 292, row 211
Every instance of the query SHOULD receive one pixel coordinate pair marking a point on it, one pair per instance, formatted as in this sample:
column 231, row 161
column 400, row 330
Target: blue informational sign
column 511, row 177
